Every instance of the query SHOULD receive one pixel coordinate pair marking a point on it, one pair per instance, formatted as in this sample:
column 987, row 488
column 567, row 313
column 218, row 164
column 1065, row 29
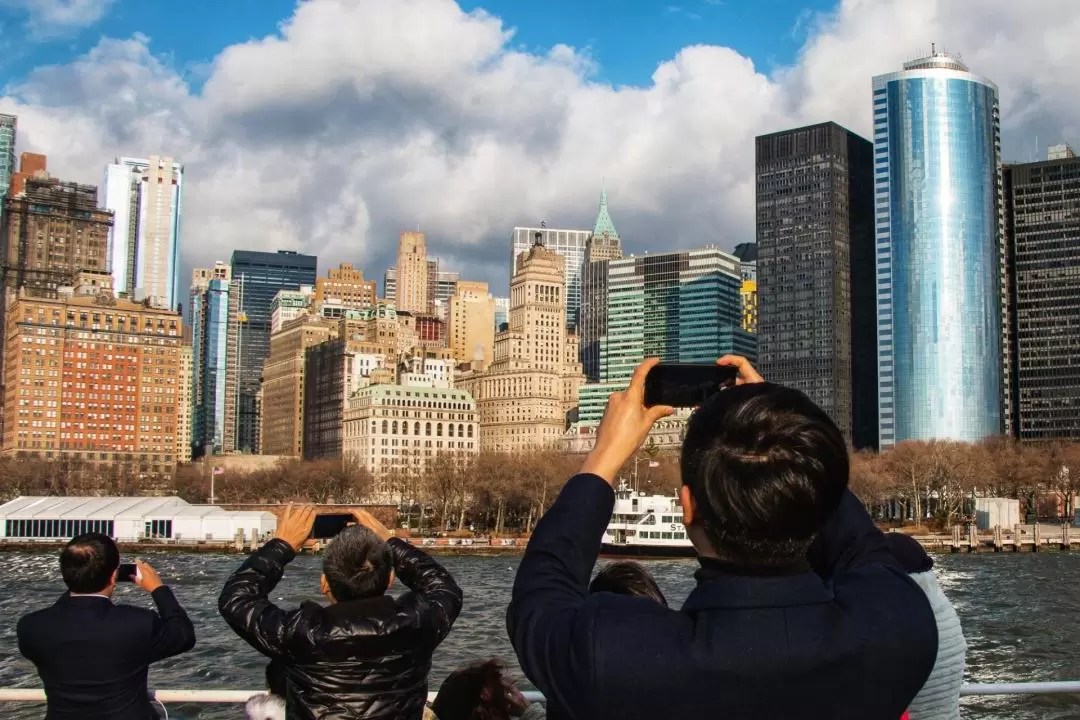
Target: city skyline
column 684, row 179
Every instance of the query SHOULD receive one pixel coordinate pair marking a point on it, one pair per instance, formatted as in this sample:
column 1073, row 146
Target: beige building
column 282, row 419
column 412, row 274
column 525, row 397
column 345, row 286
column 288, row 305
column 184, row 405
column 395, row 430
column 471, row 317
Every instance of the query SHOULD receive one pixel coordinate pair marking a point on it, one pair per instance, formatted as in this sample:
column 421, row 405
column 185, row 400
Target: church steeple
column 604, row 226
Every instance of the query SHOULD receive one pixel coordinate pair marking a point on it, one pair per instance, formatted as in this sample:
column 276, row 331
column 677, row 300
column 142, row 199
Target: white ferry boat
column 645, row 526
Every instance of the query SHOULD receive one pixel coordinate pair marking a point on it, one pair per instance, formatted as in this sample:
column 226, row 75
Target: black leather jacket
column 360, row 659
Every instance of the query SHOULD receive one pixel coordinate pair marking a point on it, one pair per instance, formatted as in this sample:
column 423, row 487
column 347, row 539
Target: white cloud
column 50, row 18
column 361, row 118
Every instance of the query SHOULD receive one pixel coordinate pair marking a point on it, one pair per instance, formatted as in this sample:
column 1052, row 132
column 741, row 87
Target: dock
column 1040, row 537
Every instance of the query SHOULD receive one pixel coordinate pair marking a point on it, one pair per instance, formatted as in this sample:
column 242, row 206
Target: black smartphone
column 686, row 386
column 126, row 572
column 327, row 526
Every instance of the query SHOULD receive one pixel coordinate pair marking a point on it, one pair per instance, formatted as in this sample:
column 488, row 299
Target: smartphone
column 686, row 386
column 327, row 526
column 126, row 572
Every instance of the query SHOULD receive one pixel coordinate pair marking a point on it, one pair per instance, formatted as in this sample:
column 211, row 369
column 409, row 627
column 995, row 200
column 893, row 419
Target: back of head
column 88, row 562
column 627, row 578
column 357, row 564
column 265, row 707
column 766, row 468
column 475, row 692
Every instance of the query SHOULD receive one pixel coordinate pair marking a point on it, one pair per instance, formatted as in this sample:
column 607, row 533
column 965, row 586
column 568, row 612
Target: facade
column 412, row 291
column 603, row 245
column 814, row 264
column 184, row 403
column 345, row 286
column 502, row 312
column 288, row 305
column 472, row 323
column 1043, row 240
column 324, row 399
column 939, row 253
column 94, row 378
column 747, row 254
column 526, row 398
column 31, row 165
column 568, row 245
column 146, row 196
column 257, row 277
column 215, row 370
column 442, row 284
column 282, row 418
column 681, row 307
column 400, row 429
column 390, row 285
column 8, row 130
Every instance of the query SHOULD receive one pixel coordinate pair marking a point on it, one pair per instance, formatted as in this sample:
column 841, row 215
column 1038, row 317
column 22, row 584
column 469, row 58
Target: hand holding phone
column 127, row 572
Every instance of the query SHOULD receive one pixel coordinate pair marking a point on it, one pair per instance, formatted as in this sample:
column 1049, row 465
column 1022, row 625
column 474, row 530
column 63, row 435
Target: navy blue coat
column 857, row 646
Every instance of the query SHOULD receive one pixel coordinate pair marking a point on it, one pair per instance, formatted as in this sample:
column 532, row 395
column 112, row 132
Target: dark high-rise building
column 603, row 245
column 815, row 271
column 1042, row 230
column 324, row 399
column 256, row 279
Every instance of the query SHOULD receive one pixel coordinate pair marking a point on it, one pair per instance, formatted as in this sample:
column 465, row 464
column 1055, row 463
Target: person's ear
column 686, row 499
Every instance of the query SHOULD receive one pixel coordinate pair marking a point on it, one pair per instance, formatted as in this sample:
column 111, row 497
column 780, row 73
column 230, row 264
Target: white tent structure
column 129, row 519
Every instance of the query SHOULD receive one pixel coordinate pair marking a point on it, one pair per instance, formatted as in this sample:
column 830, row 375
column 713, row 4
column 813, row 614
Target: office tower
column 49, row 232
column 412, row 291
column 110, row 357
column 8, row 130
column 1043, row 240
column 472, row 323
column 502, row 312
column 30, row 165
column 215, row 370
column 570, row 246
column 390, row 285
column 327, row 370
column 144, row 246
column 939, row 253
column 603, row 245
column 184, row 404
column 815, row 272
column 288, row 305
column 441, row 283
column 747, row 254
column 345, row 286
column 257, row 278
column 282, row 417
column 680, row 306
column 526, row 397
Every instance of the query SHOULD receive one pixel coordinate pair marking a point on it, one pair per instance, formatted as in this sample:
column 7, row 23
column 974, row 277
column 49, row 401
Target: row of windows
column 56, row 528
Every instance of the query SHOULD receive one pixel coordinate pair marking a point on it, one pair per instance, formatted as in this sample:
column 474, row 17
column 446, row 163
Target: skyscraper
column 747, row 254
column 256, row 279
column 144, row 246
column 570, row 246
column 471, row 323
column 815, row 271
column 680, row 307
column 8, row 128
column 346, row 286
column 412, row 291
column 214, row 370
column 1042, row 231
column 604, row 244
column 502, row 312
column 939, row 253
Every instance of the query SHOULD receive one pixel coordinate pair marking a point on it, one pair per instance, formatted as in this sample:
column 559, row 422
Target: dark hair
column 462, row 695
column 88, row 562
column 357, row 564
column 766, row 468
column 627, row 578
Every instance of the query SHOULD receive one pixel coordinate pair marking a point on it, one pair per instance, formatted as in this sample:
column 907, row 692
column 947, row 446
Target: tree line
column 917, row 482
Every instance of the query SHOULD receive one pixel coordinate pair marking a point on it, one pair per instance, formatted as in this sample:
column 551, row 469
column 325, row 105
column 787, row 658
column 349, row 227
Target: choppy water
column 1019, row 613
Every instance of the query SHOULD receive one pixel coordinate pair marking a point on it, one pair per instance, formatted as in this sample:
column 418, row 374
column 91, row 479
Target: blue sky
column 627, row 38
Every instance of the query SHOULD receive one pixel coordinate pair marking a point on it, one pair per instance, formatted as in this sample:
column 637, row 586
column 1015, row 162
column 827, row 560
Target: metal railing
column 37, row 695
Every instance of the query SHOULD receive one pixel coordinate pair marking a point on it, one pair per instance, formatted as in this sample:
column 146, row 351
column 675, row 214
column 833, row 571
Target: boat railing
column 221, row 697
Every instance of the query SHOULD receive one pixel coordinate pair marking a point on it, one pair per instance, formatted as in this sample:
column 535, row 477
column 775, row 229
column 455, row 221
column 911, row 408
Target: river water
column 1019, row 614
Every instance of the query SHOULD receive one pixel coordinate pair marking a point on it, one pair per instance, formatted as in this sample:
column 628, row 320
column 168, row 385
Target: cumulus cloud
column 361, row 118
column 50, row 18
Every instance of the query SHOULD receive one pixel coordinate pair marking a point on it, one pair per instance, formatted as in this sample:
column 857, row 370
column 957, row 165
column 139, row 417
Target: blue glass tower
column 939, row 253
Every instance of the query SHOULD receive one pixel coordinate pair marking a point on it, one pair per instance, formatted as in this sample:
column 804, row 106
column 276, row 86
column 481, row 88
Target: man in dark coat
column 93, row 656
column 366, row 655
column 762, row 636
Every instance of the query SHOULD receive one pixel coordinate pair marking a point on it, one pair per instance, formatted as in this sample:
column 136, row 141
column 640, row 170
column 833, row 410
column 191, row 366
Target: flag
column 218, row 471
column 653, row 463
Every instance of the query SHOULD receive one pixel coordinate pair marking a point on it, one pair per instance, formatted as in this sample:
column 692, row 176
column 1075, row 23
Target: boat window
column 667, row 536
column 649, row 520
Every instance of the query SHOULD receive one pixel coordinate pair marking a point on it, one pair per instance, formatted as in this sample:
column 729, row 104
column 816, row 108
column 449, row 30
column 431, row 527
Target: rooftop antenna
column 933, row 49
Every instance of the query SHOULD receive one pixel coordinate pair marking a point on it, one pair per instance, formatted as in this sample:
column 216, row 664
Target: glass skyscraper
column 8, row 126
column 570, row 244
column 256, row 279
column 939, row 253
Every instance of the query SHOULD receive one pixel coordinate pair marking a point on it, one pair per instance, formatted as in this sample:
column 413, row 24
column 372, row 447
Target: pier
column 1040, row 537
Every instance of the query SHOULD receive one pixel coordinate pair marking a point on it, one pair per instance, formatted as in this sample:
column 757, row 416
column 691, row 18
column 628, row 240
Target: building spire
column 604, row 226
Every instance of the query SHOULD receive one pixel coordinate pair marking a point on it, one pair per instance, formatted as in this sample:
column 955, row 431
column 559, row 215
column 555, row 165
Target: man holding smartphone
column 367, row 654
column 93, row 656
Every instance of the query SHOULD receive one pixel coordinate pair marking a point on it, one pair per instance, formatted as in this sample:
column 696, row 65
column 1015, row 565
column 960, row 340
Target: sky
column 329, row 126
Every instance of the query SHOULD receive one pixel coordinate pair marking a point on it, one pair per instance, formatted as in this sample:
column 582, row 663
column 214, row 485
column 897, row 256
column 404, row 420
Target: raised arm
column 431, row 582
column 171, row 631
column 244, row 602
